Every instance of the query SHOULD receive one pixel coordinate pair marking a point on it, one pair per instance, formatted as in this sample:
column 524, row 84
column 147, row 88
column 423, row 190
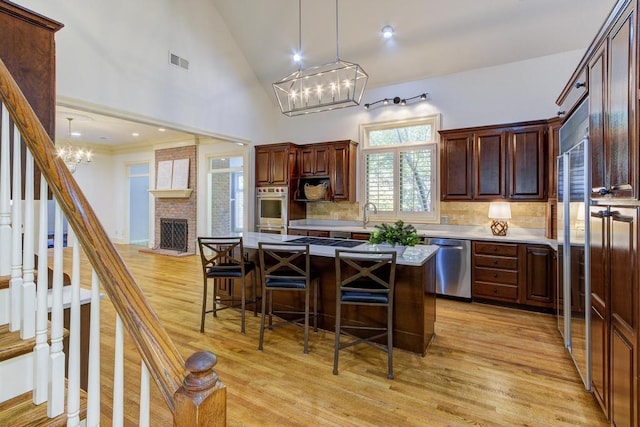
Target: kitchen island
column 414, row 298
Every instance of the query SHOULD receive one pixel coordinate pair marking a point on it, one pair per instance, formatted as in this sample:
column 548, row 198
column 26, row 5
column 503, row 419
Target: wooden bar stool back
column 286, row 267
column 365, row 278
column 223, row 258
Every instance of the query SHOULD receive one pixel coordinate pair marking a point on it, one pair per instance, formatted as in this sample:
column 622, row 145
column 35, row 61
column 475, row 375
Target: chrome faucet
column 365, row 220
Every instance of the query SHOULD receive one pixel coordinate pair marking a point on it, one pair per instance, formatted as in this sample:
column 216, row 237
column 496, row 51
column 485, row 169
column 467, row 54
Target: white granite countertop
column 415, row 256
column 515, row 235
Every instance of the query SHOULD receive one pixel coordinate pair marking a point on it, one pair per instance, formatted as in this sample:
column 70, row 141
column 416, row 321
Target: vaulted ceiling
column 433, row 37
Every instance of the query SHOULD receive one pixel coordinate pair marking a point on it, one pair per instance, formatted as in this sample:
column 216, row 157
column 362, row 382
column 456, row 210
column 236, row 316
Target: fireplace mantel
column 171, row 194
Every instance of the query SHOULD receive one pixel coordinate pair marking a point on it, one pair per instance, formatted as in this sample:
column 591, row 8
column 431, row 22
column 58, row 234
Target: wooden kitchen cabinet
column 313, row 160
column 495, row 162
column 573, row 93
column 297, row 232
column 333, row 163
column 495, row 271
column 539, row 276
column 456, row 170
column 514, row 273
column 614, row 311
column 360, row 236
column 597, row 99
column 275, row 163
column 553, row 135
column 489, row 164
column 611, row 66
column 342, row 170
column 614, row 139
column 527, row 172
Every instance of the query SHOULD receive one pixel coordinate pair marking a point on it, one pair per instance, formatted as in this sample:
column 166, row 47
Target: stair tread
column 11, row 345
column 21, row 412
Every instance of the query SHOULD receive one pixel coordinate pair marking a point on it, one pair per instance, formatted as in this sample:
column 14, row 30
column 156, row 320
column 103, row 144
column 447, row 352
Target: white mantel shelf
column 172, row 194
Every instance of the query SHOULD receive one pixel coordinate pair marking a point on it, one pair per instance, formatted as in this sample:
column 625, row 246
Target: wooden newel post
column 202, row 399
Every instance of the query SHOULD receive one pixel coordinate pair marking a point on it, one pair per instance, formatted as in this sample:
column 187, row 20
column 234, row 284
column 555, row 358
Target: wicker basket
column 315, row 192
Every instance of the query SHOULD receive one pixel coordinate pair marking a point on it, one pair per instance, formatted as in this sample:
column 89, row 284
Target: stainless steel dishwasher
column 453, row 267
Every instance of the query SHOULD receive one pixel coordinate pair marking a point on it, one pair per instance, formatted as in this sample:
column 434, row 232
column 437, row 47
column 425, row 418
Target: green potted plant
column 398, row 235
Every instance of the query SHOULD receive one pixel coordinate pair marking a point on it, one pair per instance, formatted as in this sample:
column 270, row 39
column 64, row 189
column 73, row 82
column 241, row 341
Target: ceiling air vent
column 177, row 61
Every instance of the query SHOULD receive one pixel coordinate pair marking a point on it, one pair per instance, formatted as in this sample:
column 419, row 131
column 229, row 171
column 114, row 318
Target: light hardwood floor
column 487, row 366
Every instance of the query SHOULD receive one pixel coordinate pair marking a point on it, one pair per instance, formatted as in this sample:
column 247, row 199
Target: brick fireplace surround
column 179, row 208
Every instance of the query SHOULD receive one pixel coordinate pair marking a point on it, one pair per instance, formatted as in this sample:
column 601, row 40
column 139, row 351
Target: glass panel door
column 138, row 177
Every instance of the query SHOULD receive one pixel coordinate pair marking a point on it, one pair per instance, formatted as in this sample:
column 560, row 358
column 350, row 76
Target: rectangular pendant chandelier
column 325, row 87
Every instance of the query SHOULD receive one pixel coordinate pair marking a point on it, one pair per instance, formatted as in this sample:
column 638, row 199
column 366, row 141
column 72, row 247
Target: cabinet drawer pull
column 495, row 290
column 495, row 262
column 495, row 275
column 578, row 85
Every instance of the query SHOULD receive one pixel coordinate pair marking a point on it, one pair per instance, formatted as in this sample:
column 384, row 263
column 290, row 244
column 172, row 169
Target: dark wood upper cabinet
column 597, row 98
column 489, row 166
column 273, row 164
column 456, row 179
column 288, row 164
column 342, row 167
column 527, row 163
column 553, row 135
column 620, row 153
column 495, row 162
column 314, row 160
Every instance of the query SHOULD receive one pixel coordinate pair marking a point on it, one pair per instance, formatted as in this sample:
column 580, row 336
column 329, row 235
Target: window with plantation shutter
column 400, row 169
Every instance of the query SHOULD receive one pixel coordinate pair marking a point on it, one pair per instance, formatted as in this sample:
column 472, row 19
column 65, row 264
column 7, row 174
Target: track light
column 397, row 100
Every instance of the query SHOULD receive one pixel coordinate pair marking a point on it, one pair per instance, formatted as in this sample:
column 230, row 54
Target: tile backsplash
column 523, row 214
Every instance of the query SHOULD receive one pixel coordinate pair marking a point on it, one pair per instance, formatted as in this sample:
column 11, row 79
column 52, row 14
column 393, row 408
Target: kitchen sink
column 327, row 242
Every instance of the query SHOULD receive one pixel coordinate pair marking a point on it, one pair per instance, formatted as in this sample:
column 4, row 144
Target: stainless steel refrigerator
column 573, row 294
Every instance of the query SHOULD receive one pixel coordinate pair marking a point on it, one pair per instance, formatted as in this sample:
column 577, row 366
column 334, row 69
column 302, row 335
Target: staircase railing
column 191, row 391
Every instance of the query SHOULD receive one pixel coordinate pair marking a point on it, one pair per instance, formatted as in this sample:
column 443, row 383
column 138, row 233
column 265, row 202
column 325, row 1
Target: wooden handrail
column 166, row 365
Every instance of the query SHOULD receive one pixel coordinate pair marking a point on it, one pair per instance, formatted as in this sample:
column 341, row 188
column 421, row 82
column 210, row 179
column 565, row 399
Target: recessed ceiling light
column 76, row 134
column 135, row 134
column 297, row 57
column 387, row 31
column 161, row 129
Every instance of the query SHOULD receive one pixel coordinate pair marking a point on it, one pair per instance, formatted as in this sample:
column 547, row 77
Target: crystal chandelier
column 337, row 84
column 72, row 156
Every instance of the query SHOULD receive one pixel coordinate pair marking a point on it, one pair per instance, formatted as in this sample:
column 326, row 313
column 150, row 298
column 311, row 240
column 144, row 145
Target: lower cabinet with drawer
column 513, row 273
column 495, row 271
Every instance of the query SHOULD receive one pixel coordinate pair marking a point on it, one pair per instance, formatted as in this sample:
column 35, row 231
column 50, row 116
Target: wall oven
column 271, row 209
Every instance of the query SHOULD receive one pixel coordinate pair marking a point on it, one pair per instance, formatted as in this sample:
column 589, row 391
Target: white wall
column 94, row 180
column 520, row 91
column 115, row 54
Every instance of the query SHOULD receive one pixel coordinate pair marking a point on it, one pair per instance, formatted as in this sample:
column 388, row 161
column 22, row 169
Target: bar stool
column 286, row 267
column 365, row 278
column 222, row 258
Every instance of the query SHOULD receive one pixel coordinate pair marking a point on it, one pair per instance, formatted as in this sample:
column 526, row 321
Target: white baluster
column 28, row 327
column 117, row 418
column 16, row 235
column 57, row 358
column 5, row 197
column 73, row 380
column 41, row 349
column 93, row 398
column 144, row 396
